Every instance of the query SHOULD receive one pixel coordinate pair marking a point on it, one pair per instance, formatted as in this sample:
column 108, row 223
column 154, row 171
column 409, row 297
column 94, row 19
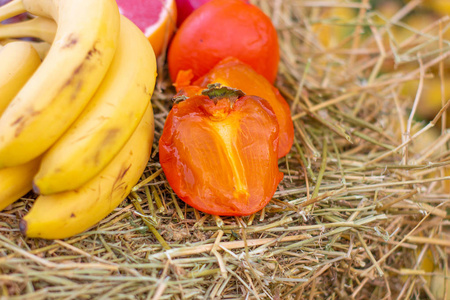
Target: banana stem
column 39, row 27
column 11, row 9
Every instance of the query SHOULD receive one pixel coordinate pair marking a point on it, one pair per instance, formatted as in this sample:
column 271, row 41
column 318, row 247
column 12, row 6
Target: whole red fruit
column 222, row 28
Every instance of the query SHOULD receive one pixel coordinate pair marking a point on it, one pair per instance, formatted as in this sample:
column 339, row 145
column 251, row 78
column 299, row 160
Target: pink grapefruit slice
column 155, row 18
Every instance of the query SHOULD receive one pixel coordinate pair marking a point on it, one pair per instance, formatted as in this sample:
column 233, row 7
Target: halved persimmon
column 234, row 73
column 219, row 151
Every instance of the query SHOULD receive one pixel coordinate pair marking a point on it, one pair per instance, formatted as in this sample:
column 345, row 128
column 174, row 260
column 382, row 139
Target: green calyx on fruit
column 217, row 91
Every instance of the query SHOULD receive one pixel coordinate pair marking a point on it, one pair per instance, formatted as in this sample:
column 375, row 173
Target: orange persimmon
column 222, row 28
column 218, row 151
column 234, row 73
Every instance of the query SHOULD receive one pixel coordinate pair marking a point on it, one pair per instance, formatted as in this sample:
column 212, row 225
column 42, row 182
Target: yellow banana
column 65, row 214
column 16, row 181
column 56, row 94
column 18, row 61
column 41, row 47
column 39, row 27
column 109, row 119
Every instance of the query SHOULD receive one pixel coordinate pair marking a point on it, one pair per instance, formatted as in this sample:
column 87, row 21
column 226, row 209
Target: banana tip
column 23, row 226
column 36, row 188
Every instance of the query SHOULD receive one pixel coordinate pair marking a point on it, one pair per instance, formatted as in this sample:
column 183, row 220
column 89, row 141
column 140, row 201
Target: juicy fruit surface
column 222, row 28
column 142, row 12
column 220, row 159
column 232, row 72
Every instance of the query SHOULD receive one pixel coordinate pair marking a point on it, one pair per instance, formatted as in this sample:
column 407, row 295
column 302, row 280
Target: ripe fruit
column 234, row 73
column 65, row 214
column 54, row 90
column 104, row 79
column 16, row 181
column 218, row 151
column 156, row 19
column 222, row 28
column 18, row 61
column 109, row 119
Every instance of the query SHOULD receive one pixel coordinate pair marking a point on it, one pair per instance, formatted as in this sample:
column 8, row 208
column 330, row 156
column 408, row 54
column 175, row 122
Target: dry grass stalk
column 362, row 212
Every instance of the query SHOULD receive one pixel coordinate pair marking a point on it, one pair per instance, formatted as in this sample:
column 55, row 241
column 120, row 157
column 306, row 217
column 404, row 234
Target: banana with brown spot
column 109, row 119
column 65, row 214
column 19, row 60
column 79, row 57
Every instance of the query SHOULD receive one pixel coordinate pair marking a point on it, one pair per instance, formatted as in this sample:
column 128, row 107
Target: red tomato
column 222, row 28
column 219, row 154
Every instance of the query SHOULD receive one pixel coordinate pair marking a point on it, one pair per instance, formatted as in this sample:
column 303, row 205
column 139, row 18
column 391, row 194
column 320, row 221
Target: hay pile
column 362, row 211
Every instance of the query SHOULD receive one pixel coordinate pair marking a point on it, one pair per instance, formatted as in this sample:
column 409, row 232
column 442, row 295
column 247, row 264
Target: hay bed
column 362, row 212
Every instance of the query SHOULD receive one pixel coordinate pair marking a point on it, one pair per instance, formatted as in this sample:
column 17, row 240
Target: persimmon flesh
column 220, row 155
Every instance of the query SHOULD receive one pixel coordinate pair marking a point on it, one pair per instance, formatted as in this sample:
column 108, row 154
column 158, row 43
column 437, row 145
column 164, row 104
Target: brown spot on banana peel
column 110, row 136
column 93, row 51
column 147, row 91
column 124, row 171
column 119, row 178
column 19, row 127
column 35, row 188
column 72, row 215
column 108, row 139
column 17, row 120
column 23, row 226
column 21, row 121
column 30, row 113
column 71, row 41
column 78, row 80
column 71, row 81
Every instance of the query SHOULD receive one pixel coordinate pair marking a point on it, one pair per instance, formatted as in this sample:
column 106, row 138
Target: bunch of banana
column 18, row 61
column 79, row 127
